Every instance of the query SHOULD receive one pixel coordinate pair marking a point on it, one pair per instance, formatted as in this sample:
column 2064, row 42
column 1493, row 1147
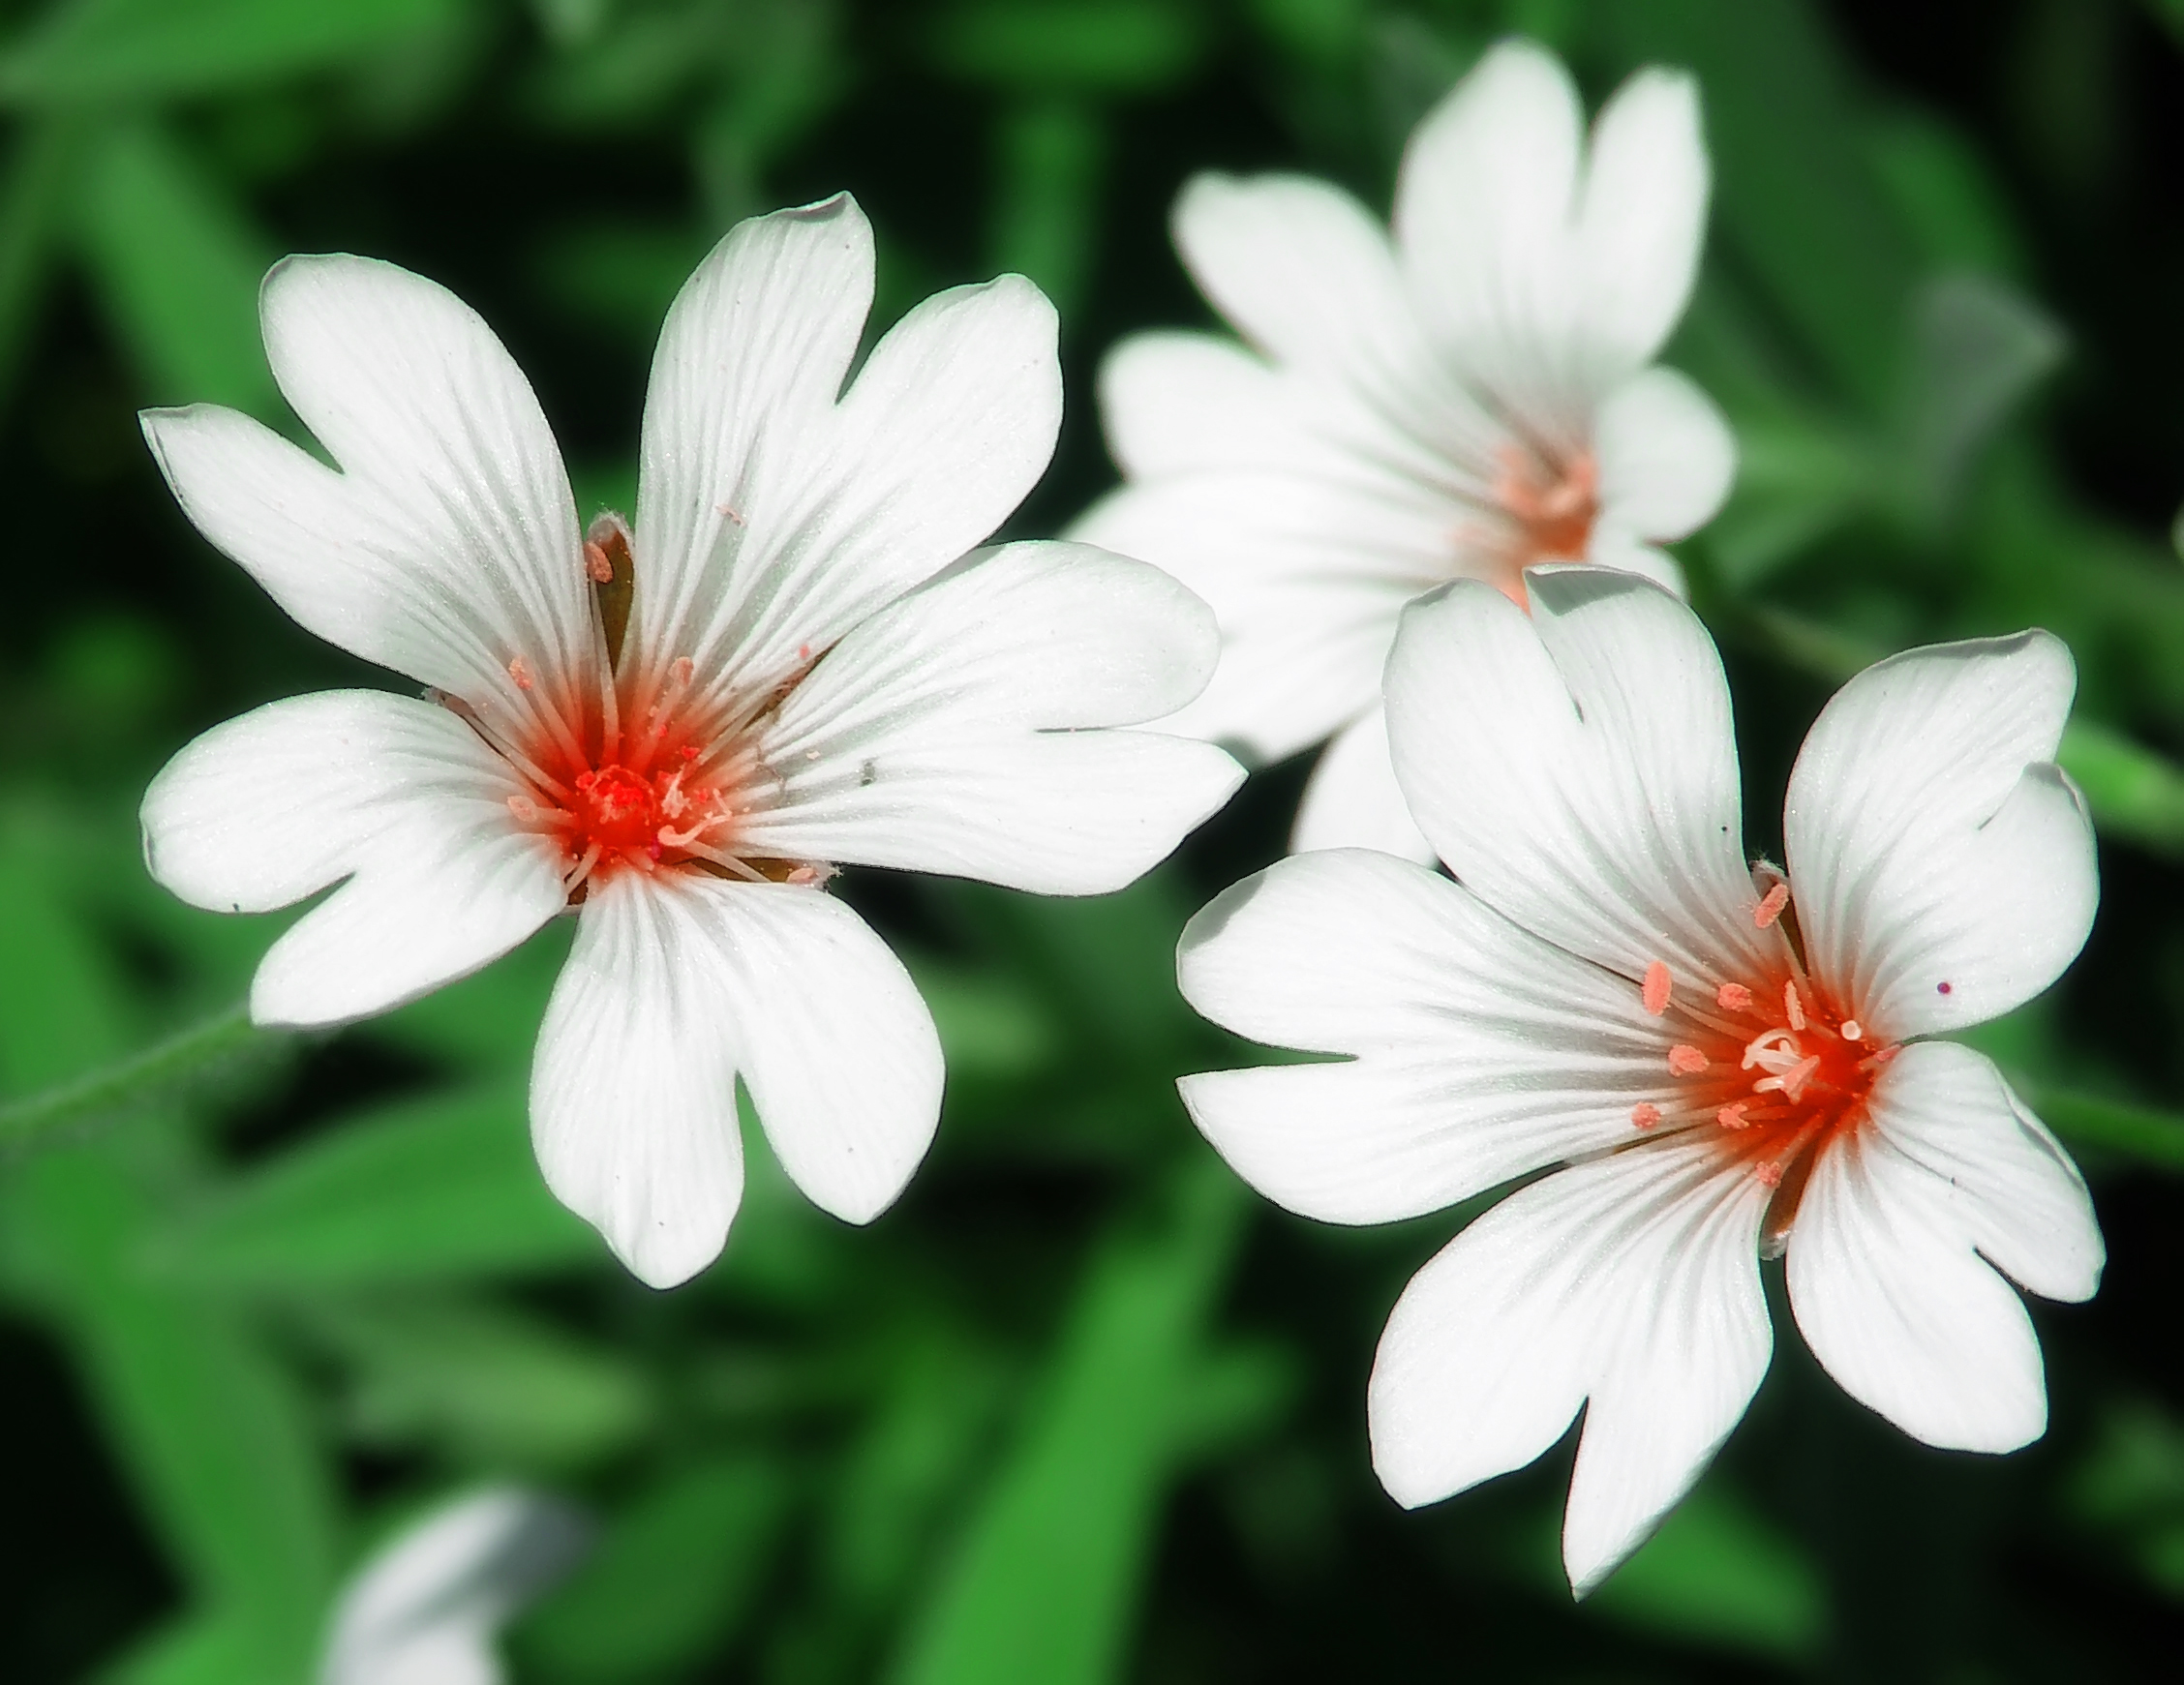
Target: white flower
column 1474, row 399
column 426, row 1609
column 789, row 663
column 1731, row 1062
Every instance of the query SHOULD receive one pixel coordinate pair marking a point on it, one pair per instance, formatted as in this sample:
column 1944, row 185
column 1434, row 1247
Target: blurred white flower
column 426, row 1610
column 682, row 728
column 1475, row 398
column 1731, row 1062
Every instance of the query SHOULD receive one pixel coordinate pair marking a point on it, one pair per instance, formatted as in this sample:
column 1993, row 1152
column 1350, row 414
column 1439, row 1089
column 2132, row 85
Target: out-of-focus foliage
column 1079, row 1409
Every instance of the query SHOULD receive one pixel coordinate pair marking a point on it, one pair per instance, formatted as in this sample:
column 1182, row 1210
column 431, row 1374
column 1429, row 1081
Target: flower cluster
column 1418, row 512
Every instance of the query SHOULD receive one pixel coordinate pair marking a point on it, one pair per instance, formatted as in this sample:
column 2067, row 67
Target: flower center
column 1551, row 505
column 1774, row 1066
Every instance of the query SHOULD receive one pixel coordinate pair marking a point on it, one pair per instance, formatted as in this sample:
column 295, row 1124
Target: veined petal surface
column 397, row 796
column 1576, row 767
column 1641, row 219
column 970, row 728
column 446, row 544
column 1477, row 1052
column 777, row 510
column 1943, row 865
column 1299, row 268
column 1306, row 578
column 1482, row 223
column 1906, row 1231
column 677, row 983
column 1629, row 1285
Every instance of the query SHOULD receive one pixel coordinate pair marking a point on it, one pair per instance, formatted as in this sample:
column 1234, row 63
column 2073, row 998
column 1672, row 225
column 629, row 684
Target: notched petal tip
column 1562, row 587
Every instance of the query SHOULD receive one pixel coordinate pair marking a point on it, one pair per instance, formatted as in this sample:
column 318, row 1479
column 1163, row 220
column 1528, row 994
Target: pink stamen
column 1731, row 1116
column 1793, row 1005
column 1655, row 990
column 519, row 671
column 1685, row 1060
column 597, row 564
column 1645, row 1114
column 1770, row 906
column 1733, row 998
column 1768, row 1174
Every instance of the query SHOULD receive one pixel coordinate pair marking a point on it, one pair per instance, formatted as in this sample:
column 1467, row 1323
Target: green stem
column 157, row 1070
column 2141, row 1134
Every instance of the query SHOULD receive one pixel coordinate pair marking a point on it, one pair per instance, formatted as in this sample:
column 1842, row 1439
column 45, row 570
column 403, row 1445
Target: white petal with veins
column 1629, row 1285
column 1943, row 865
column 1475, row 1051
column 680, row 983
column 1893, row 1259
column 1600, row 808
column 812, row 512
column 973, row 728
column 446, row 544
column 396, row 796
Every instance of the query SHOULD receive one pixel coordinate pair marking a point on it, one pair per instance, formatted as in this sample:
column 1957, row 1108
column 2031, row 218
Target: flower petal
column 1300, row 269
column 967, row 728
column 1478, row 1052
column 426, row 1609
column 1895, row 1255
column 750, row 362
column 1352, row 801
column 1641, row 216
column 447, row 544
column 1576, row 767
column 842, row 1059
column 675, row 983
column 633, row 1086
column 1631, row 1282
column 1306, row 577
column 1943, row 867
column 1483, row 208
column 772, row 518
column 1173, row 402
column 1666, row 456
column 396, row 795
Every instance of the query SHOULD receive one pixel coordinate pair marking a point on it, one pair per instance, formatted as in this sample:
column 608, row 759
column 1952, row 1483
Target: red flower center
column 1776, row 1064
column 1547, row 507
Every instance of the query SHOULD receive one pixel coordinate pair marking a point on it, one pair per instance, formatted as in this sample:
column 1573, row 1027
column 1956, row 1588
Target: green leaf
column 488, row 1022
column 1045, row 1584
column 1718, row 1574
column 1793, row 193
column 673, row 1578
column 1052, row 155
column 2135, row 793
column 85, row 50
column 208, row 1425
column 438, row 1190
column 491, row 1386
column 177, row 266
column 198, row 1649
column 2140, row 1133
column 988, row 1026
column 1070, row 45
column 41, row 168
column 1979, row 348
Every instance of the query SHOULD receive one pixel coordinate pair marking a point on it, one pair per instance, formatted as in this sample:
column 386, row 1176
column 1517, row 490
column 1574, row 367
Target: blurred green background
column 1079, row 1409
